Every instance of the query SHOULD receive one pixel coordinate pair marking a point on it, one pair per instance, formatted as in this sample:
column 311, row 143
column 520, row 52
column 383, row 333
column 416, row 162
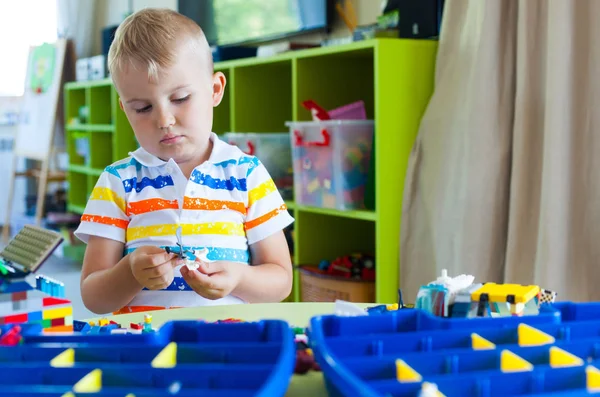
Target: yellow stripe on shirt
column 262, row 190
column 106, row 194
column 223, row 228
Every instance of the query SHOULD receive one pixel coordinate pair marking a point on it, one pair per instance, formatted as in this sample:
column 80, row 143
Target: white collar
column 217, row 155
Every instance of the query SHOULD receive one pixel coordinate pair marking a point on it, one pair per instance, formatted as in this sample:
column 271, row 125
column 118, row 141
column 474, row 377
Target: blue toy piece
column 183, row 358
column 406, row 352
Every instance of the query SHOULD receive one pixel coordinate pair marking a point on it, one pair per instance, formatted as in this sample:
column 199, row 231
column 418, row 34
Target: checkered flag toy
column 547, row 296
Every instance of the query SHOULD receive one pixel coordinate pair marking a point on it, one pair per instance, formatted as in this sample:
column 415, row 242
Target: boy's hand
column 153, row 267
column 214, row 280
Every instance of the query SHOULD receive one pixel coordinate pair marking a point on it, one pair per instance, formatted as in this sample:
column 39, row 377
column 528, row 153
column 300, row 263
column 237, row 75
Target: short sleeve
column 267, row 212
column 105, row 213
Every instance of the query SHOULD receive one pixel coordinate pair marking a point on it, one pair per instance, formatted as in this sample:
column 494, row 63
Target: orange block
column 59, row 328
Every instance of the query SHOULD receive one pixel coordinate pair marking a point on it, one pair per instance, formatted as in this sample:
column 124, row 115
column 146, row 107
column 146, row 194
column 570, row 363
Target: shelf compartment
column 74, row 99
column 77, row 193
column 100, row 105
column 335, row 80
column 327, row 237
column 262, row 97
column 101, row 156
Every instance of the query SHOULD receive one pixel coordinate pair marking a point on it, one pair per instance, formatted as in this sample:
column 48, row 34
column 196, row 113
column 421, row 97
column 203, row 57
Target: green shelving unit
column 104, row 127
column 394, row 77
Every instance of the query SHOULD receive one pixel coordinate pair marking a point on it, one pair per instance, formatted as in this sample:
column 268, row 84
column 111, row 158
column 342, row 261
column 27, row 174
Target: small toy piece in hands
column 190, row 257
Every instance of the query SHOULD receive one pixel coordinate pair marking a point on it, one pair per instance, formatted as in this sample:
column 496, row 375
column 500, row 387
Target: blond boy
column 181, row 176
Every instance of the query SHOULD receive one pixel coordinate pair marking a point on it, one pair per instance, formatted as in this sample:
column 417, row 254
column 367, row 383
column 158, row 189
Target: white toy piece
column 201, row 255
column 348, row 309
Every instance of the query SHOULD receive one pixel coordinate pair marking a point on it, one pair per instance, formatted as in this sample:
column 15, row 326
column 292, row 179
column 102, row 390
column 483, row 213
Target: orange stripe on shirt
column 212, row 205
column 149, row 205
column 262, row 219
column 105, row 220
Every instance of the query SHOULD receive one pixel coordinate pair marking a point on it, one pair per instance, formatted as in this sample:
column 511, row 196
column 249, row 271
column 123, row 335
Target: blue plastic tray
column 358, row 354
column 229, row 359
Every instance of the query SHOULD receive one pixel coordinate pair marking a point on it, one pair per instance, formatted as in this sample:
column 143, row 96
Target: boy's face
column 172, row 117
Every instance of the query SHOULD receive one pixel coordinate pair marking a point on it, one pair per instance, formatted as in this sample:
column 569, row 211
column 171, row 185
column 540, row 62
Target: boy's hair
column 150, row 36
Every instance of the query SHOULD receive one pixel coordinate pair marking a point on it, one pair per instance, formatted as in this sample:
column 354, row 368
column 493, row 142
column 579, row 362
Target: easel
column 49, row 66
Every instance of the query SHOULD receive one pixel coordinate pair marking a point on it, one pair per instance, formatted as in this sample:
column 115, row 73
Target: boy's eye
column 144, row 109
column 180, row 100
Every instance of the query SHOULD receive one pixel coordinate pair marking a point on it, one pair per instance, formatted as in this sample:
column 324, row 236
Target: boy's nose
column 165, row 120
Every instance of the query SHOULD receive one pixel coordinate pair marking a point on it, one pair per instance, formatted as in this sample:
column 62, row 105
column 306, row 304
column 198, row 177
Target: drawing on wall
column 43, row 60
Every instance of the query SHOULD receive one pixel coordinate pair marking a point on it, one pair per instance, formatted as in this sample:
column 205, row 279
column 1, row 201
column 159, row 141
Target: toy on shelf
column 27, row 298
column 356, row 266
column 331, row 161
column 461, row 297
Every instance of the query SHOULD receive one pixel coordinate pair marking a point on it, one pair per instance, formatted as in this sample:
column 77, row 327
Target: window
column 23, row 24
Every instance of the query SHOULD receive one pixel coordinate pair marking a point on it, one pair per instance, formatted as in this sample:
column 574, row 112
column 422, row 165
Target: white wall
column 112, row 12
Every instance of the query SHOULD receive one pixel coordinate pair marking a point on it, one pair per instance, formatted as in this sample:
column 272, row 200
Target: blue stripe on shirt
column 214, row 253
column 158, row 183
column 224, row 184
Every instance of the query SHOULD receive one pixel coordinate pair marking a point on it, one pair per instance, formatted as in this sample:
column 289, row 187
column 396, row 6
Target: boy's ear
column 219, row 83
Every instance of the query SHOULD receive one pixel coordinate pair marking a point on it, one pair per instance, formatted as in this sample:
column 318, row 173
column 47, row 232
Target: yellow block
column 167, row 358
column 68, row 394
column 91, row 383
column 592, row 375
column 64, row 359
column 529, row 336
column 393, row 306
column 61, row 312
column 560, row 358
column 480, row 343
column 510, row 362
column 499, row 292
column 103, row 321
column 405, row 374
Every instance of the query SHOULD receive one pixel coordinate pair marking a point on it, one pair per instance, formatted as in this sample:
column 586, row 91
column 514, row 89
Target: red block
column 135, row 326
column 55, row 301
column 16, row 318
column 57, row 322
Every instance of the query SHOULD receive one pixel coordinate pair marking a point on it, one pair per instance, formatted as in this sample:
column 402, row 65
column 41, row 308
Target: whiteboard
column 37, row 118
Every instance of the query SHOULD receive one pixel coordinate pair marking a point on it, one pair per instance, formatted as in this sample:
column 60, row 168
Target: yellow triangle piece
column 130, row 395
column 167, row 358
column 64, row 359
column 592, row 375
column 91, row 383
column 510, row 362
column 529, row 336
column 405, row 374
column 560, row 358
column 480, row 343
column 68, row 394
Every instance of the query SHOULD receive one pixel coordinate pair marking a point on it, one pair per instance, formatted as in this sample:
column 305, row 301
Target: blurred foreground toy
column 26, row 297
column 461, row 297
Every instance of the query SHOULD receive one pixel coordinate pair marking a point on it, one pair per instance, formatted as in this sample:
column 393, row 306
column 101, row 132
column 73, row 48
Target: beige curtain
column 504, row 179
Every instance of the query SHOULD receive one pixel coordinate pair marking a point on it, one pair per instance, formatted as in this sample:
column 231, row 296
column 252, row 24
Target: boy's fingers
column 160, row 258
column 211, row 268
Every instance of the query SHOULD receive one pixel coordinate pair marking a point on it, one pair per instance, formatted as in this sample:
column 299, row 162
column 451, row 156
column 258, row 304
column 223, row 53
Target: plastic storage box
column 331, row 162
column 274, row 151
column 184, row 358
column 405, row 353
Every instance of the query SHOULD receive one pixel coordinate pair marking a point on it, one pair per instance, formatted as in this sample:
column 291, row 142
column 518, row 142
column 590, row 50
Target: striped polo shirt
column 228, row 203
